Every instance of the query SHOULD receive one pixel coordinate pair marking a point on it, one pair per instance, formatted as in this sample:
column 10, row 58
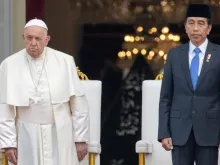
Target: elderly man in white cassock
column 44, row 118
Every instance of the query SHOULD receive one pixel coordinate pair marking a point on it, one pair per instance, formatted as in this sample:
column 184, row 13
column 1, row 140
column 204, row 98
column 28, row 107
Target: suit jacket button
column 193, row 112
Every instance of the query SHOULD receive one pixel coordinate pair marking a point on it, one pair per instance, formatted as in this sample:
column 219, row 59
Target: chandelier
column 154, row 44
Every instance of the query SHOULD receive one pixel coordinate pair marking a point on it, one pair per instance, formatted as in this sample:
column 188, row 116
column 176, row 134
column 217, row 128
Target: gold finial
column 81, row 75
column 159, row 76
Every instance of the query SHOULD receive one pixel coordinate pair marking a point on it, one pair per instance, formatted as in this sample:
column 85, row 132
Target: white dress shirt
column 202, row 47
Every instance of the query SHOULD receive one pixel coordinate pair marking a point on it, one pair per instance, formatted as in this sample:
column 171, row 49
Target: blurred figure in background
column 121, row 124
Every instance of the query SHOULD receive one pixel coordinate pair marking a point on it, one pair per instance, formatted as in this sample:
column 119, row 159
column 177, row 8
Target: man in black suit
column 189, row 113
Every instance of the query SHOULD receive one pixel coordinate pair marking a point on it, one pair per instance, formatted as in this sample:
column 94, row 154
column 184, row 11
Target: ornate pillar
column 6, row 30
column 19, row 20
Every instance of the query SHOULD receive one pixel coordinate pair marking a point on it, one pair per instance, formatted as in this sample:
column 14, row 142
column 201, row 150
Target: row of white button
column 47, row 154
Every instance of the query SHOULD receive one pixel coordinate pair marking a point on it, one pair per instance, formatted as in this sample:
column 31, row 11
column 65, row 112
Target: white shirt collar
column 202, row 47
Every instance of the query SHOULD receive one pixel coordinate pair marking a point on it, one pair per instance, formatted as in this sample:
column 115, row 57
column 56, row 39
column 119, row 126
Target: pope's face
column 35, row 39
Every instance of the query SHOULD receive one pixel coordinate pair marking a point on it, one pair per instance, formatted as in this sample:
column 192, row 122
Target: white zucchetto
column 36, row 22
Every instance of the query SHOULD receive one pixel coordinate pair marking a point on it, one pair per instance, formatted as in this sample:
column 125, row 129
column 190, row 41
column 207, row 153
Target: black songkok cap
column 198, row 10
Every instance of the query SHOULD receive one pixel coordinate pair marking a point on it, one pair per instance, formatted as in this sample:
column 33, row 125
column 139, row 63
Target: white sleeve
column 8, row 135
column 80, row 116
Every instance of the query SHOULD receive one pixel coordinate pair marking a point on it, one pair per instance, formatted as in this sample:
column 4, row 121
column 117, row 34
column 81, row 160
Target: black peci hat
column 198, row 10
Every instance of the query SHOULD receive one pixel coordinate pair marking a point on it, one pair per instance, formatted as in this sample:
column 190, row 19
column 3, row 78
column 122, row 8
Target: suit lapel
column 205, row 66
column 185, row 63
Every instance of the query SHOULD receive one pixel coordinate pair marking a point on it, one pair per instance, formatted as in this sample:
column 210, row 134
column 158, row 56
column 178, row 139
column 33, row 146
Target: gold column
column 4, row 159
column 91, row 158
column 141, row 159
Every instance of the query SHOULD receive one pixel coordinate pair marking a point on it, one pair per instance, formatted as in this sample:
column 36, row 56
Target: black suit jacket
column 182, row 108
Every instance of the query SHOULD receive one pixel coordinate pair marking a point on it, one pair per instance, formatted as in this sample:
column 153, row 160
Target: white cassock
column 44, row 124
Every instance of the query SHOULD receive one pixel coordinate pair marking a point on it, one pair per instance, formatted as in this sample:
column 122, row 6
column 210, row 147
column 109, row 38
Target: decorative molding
column 159, row 76
column 81, row 75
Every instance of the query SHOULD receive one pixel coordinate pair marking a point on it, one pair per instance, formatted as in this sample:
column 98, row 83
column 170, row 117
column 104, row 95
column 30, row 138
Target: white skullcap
column 36, row 22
